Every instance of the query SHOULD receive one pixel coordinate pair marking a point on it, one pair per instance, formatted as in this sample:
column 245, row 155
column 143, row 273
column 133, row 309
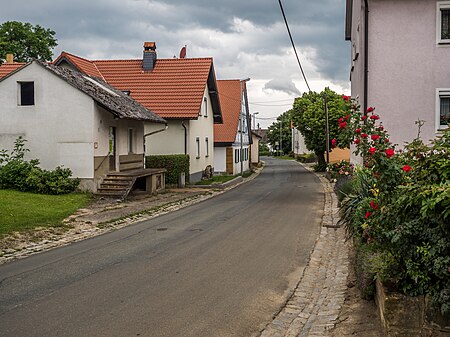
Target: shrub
column 174, row 164
column 26, row 176
column 401, row 207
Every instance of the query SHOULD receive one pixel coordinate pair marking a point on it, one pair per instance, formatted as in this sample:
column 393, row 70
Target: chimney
column 9, row 58
column 149, row 58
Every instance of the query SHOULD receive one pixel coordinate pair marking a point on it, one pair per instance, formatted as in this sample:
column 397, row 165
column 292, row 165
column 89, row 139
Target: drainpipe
column 185, row 137
column 366, row 54
column 153, row 132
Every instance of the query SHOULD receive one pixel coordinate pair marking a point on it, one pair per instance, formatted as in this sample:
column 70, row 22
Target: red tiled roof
column 230, row 102
column 173, row 89
column 83, row 65
column 7, row 68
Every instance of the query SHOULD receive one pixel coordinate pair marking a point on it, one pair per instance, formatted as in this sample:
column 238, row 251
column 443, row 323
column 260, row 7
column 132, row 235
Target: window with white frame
column 206, row 147
column 442, row 108
column 197, row 147
column 205, row 107
column 443, row 22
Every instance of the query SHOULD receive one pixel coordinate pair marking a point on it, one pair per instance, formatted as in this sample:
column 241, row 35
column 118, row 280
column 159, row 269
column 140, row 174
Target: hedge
column 174, row 164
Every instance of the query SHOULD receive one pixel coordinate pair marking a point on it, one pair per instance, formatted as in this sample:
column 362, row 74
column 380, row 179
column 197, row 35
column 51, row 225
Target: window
column 443, row 22
column 26, row 93
column 236, row 156
column 130, row 141
column 205, row 107
column 442, row 108
column 207, row 147
column 197, row 147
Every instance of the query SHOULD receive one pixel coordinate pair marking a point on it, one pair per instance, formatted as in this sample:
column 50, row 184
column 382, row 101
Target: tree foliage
column 309, row 118
column 273, row 131
column 26, row 41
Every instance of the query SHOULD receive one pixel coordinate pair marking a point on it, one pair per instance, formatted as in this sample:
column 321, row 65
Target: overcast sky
column 246, row 38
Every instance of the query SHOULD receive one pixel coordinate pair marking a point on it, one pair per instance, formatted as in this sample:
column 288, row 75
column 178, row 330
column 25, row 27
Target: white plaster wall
column 220, row 159
column 58, row 127
column 405, row 65
column 245, row 163
column 170, row 141
column 298, row 142
column 254, row 149
column 202, row 127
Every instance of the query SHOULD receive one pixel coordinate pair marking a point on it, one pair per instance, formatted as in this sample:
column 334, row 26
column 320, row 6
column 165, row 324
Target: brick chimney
column 9, row 58
column 149, row 58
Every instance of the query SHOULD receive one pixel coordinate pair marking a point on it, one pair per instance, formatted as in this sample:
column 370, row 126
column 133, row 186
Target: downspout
column 366, row 54
column 185, row 137
column 153, row 132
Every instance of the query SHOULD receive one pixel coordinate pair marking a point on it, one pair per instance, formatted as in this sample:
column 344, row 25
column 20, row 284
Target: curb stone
column 54, row 238
column 315, row 305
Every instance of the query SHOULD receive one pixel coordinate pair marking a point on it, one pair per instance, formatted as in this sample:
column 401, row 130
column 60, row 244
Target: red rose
column 346, row 98
column 367, row 215
column 358, row 130
column 381, row 128
column 406, row 168
column 364, row 135
column 389, row 153
column 375, row 117
column 375, row 137
column 357, row 140
column 370, row 109
column 342, row 125
column 340, row 120
column 347, row 117
column 373, row 205
column 387, row 140
column 333, row 142
column 363, row 118
column 372, row 150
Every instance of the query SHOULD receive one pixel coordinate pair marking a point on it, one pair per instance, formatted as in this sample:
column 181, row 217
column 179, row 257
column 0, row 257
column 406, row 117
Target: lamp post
column 241, row 128
column 254, row 119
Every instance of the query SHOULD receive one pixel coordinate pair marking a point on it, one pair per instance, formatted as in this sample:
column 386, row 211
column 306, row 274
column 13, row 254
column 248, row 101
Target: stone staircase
column 116, row 186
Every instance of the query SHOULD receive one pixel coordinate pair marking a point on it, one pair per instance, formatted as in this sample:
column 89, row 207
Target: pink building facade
column 401, row 63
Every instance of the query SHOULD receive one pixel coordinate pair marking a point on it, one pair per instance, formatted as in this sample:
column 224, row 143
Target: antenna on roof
column 183, row 52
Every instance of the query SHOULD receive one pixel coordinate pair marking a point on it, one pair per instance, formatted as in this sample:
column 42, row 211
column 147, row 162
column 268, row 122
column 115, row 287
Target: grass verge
column 20, row 211
column 215, row 180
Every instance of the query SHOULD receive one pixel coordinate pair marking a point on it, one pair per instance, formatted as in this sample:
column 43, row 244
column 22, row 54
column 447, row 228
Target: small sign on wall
column 96, row 145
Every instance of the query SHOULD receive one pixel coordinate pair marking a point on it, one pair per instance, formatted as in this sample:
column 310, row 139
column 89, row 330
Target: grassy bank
column 21, row 211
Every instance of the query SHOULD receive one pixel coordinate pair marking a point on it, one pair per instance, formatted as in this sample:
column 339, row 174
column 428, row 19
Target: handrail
column 101, row 163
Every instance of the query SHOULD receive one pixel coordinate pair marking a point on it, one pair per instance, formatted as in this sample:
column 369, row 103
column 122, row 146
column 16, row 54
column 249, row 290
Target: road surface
column 222, row 267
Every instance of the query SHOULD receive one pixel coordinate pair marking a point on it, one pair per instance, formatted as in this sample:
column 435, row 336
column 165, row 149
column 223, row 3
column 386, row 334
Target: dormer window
column 26, row 93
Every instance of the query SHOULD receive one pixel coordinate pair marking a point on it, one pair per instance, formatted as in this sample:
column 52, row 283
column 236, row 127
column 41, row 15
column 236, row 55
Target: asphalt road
column 222, row 267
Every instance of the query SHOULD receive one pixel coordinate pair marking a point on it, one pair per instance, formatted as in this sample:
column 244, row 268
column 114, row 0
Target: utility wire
column 293, row 45
column 259, row 104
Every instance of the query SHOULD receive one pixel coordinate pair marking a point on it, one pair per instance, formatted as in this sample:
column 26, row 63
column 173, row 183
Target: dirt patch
column 358, row 317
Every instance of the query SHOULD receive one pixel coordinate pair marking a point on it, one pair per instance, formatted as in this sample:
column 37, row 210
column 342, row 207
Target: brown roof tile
column 230, row 102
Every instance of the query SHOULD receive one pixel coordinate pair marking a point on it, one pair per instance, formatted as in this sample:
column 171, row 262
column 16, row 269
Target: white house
column 231, row 139
column 401, row 63
column 71, row 119
column 182, row 91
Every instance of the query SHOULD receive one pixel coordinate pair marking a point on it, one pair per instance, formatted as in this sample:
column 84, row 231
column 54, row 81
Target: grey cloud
column 284, row 85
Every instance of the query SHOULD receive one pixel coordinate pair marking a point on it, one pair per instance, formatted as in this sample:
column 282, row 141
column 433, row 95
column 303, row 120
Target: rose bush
column 400, row 206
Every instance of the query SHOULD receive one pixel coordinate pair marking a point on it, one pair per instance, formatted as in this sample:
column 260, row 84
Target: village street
column 222, row 267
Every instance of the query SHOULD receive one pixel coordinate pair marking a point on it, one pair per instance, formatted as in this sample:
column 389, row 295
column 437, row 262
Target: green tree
column 309, row 117
column 273, row 131
column 26, row 41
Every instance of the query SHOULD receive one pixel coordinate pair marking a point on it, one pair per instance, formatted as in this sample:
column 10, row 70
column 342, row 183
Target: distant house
column 254, row 148
column 73, row 120
column 182, row 91
column 231, row 139
column 401, row 63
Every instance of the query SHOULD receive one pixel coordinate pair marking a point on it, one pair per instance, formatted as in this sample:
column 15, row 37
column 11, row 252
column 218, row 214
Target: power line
column 258, row 104
column 293, row 45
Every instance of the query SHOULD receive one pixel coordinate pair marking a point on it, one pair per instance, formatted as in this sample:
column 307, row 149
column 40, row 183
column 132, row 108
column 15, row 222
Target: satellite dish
column 183, row 53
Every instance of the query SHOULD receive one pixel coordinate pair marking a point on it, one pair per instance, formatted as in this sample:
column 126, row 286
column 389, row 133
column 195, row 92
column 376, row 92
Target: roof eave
column 348, row 20
column 214, row 95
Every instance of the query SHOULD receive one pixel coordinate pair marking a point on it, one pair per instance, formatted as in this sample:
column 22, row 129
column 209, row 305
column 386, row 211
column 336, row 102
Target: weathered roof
column 230, row 101
column 173, row 89
column 115, row 101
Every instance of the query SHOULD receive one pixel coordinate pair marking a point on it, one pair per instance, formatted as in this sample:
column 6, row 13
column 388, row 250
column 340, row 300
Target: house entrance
column 112, row 148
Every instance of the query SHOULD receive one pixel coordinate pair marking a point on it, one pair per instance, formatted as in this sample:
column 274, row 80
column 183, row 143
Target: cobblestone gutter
column 315, row 304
